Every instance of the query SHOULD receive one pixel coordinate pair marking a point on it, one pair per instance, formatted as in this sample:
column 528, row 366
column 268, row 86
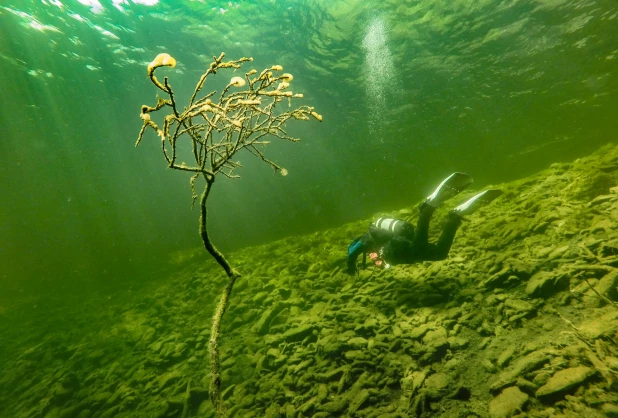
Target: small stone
column 434, row 335
column 610, row 410
column 334, row 406
column 557, row 252
column 397, row 332
column 489, row 366
column 262, row 325
column 437, row 385
column 523, row 365
column 179, row 349
column 612, row 362
column 452, row 364
column 357, row 401
column 526, row 385
column 273, row 352
column 565, row 380
column 543, row 284
column 169, row 378
column 418, row 332
column 505, row 357
column 156, row 346
column 354, row 355
column 457, row 342
column 606, row 324
column 454, row 313
column 607, row 285
column 508, row 403
column 518, row 305
column 541, row 378
column 370, row 323
column 298, row 333
column 357, row 342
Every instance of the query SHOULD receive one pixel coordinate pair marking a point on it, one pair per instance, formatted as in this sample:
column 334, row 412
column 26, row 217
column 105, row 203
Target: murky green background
column 410, row 91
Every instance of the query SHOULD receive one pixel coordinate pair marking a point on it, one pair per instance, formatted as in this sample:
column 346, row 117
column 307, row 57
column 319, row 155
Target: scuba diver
column 394, row 241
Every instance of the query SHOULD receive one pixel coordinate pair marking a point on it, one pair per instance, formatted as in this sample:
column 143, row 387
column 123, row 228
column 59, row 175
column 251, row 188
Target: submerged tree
column 216, row 128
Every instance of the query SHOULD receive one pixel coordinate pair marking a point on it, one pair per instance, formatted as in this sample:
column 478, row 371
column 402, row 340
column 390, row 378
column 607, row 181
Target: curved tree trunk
column 215, row 372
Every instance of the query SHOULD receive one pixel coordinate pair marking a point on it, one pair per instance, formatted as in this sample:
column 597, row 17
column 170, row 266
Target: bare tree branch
column 215, row 132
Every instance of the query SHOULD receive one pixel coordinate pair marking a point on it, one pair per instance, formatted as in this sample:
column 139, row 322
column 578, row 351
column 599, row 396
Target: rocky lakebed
column 521, row 320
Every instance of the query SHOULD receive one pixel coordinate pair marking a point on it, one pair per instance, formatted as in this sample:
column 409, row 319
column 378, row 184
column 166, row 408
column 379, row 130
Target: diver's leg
column 440, row 250
column 421, row 235
column 450, row 186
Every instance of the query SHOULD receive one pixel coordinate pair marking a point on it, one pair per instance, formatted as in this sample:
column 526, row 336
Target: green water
column 409, row 90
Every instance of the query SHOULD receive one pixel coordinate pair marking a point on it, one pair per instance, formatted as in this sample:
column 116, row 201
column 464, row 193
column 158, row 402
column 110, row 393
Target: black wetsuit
column 403, row 245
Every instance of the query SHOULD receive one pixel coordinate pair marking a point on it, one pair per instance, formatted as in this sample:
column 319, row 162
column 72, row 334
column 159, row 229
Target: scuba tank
column 388, row 224
column 394, row 226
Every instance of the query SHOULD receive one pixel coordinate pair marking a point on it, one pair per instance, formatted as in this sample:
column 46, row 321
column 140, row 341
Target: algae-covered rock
column 168, row 379
column 505, row 357
column 564, row 380
column 435, row 335
column 544, row 283
column 517, row 305
column 604, row 325
column 516, row 309
column 592, row 184
column 298, row 333
column 610, row 410
column 513, row 271
column 358, row 400
column 334, row 407
column 508, row 403
column 438, row 385
column 608, row 286
column 457, row 342
column 411, row 383
column 523, row 365
column 262, row 325
column 419, row 332
column 357, row 342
